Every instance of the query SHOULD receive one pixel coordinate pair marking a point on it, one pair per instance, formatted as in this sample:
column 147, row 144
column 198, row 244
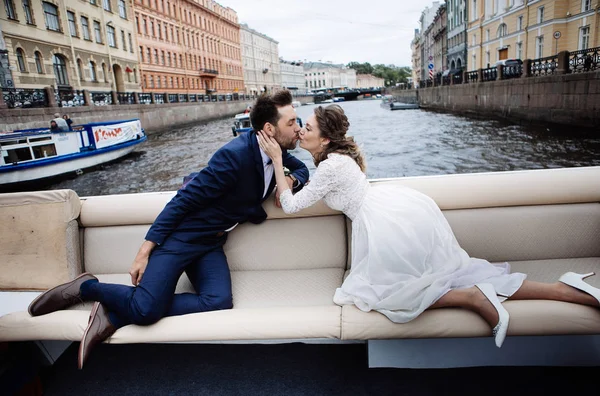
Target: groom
column 189, row 234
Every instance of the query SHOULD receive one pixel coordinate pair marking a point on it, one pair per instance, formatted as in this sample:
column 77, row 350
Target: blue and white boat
column 242, row 124
column 34, row 154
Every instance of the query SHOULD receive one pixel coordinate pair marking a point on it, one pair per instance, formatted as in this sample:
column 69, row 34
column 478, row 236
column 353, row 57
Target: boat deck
column 283, row 369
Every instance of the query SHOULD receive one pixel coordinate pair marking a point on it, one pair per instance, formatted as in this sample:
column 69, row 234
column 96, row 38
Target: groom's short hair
column 266, row 108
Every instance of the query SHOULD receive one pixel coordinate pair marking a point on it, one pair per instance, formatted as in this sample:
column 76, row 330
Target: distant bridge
column 352, row 94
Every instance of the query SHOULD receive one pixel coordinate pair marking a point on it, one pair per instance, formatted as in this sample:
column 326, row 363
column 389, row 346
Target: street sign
column 430, row 57
column 557, row 35
column 430, row 66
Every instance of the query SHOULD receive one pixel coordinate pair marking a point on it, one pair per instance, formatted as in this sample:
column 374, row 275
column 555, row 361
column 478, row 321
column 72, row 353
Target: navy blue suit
column 190, row 236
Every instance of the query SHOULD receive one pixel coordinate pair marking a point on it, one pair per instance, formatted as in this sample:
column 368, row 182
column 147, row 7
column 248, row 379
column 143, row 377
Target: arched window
column 80, row 69
column 93, row 75
column 60, row 70
column 21, row 60
column 39, row 63
column 502, row 30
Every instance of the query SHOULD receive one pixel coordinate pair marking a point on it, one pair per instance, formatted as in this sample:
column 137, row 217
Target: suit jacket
column 228, row 191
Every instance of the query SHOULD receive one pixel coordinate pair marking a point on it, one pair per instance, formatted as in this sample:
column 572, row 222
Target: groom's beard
column 285, row 143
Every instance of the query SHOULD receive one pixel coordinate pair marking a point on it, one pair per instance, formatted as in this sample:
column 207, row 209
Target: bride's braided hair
column 333, row 125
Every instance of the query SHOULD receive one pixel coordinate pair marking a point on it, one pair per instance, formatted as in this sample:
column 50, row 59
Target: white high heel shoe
column 576, row 280
column 501, row 328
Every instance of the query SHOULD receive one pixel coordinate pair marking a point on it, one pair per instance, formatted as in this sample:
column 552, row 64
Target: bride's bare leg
column 553, row 291
column 472, row 299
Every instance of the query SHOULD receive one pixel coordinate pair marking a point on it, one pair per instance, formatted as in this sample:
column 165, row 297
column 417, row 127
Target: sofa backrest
column 115, row 226
column 39, row 239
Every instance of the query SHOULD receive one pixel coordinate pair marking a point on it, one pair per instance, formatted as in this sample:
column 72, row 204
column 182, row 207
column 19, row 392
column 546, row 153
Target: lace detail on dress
column 338, row 181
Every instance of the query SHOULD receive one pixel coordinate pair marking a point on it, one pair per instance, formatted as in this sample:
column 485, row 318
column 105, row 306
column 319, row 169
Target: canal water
column 395, row 143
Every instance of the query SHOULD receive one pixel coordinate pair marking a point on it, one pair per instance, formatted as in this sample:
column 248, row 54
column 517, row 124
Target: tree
column 361, row 68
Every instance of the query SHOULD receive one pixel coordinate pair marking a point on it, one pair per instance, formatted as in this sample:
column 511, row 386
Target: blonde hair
column 333, row 125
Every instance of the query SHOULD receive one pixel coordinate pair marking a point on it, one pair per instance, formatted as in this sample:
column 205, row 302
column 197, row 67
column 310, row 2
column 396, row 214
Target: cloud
column 335, row 30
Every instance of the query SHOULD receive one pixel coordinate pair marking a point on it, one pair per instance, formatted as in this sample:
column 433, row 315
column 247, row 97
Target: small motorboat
column 34, row 154
column 242, row 124
column 387, row 102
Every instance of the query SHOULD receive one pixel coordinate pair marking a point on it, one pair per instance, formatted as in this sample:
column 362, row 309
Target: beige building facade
column 260, row 57
column 325, row 75
column 506, row 29
column 369, row 81
column 71, row 44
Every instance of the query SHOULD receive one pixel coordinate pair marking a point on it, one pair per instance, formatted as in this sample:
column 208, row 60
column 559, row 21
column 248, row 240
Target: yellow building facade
column 71, row 44
column 522, row 29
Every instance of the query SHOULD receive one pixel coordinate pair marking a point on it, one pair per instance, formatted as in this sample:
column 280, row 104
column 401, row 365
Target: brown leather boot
column 60, row 297
column 99, row 329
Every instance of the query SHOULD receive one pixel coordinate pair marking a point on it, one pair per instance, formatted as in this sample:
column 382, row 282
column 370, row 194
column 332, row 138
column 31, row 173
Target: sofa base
column 575, row 350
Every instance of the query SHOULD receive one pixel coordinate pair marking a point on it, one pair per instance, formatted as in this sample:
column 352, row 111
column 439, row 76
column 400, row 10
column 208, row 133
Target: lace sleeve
column 323, row 181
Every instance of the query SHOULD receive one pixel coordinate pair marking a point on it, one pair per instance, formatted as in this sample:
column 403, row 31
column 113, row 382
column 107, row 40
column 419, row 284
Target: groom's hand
column 290, row 183
column 140, row 262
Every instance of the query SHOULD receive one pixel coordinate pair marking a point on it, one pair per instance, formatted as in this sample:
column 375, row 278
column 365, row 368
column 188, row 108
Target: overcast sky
column 376, row 31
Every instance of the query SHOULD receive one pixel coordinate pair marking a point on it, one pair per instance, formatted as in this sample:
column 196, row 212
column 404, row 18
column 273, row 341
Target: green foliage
column 392, row 74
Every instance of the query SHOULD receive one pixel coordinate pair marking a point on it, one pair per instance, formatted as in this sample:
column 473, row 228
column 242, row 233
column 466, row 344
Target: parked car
column 509, row 62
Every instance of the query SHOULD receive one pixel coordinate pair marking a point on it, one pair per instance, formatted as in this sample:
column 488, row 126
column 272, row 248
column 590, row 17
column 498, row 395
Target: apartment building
column 70, row 44
column 188, row 46
column 260, row 55
column 501, row 29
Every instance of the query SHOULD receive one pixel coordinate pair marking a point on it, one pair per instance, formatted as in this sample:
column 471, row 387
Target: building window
column 145, row 25
column 110, row 34
column 106, row 5
column 98, row 32
column 156, row 56
column 520, row 23
column 28, row 11
column 162, row 57
column 38, row 62
column 72, row 24
column 148, row 59
column 10, row 9
column 130, row 43
column 586, row 5
column 539, row 47
column 519, row 50
column 151, row 82
column 584, row 37
column 51, row 17
column 104, row 72
column 487, row 35
column 93, row 2
column 122, row 9
column 21, row 60
column 85, row 28
column 93, row 75
column 80, row 69
column 60, row 70
column 487, row 58
column 123, row 42
column 540, row 15
column 502, row 30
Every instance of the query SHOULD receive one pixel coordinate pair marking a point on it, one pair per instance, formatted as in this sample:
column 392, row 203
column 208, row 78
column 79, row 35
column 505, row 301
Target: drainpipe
column 113, row 84
column 72, row 48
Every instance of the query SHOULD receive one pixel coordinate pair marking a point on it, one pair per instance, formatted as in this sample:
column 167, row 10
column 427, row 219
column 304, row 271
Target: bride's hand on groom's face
column 269, row 145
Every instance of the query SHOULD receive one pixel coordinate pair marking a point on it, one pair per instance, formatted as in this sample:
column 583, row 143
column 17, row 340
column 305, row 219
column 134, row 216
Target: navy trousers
column 205, row 265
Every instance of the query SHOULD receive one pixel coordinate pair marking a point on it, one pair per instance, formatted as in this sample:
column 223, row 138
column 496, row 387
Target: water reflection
column 396, row 143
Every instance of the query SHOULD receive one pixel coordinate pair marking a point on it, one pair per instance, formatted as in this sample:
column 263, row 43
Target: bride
column 405, row 258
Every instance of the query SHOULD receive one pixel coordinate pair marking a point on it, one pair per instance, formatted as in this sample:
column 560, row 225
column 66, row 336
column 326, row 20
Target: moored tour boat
column 34, row 154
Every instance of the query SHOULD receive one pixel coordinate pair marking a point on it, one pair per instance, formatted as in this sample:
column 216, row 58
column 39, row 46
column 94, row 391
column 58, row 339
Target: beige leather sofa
column 285, row 271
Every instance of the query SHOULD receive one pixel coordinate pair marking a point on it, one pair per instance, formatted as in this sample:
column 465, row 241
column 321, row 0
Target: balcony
column 208, row 73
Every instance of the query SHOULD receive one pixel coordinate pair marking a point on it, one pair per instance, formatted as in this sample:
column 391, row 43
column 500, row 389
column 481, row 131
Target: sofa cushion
column 39, row 239
column 528, row 232
column 277, row 244
column 532, row 317
column 276, row 323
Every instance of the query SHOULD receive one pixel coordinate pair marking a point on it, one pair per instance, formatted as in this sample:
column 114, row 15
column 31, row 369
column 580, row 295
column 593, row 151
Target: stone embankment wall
column 567, row 100
column 154, row 117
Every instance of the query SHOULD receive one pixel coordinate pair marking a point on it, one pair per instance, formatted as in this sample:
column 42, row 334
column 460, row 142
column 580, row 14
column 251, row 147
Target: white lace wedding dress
column 404, row 253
